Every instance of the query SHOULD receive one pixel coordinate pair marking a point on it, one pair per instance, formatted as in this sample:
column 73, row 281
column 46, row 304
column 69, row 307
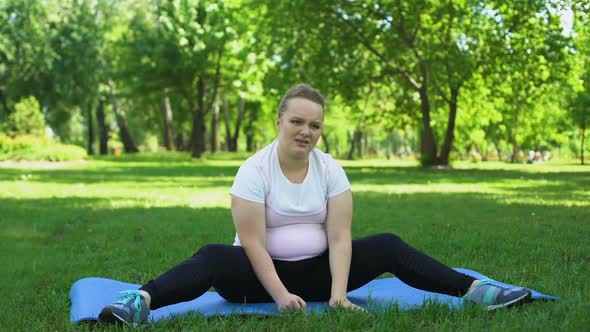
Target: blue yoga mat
column 90, row 295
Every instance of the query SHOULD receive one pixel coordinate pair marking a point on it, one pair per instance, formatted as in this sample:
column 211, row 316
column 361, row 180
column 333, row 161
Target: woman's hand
column 290, row 302
column 344, row 303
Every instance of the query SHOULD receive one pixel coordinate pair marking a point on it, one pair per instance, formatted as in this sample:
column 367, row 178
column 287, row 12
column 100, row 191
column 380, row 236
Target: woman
column 292, row 210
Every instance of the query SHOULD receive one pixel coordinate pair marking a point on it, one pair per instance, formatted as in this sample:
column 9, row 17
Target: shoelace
column 135, row 296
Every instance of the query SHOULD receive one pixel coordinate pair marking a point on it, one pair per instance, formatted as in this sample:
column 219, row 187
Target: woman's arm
column 338, row 226
column 249, row 220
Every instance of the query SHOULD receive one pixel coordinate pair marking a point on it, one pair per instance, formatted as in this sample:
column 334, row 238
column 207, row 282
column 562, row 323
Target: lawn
column 131, row 218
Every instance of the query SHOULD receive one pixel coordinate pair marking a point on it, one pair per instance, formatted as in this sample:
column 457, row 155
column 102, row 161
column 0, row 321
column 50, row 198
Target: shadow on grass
column 419, row 175
column 126, row 173
column 58, row 217
column 556, row 192
column 176, row 156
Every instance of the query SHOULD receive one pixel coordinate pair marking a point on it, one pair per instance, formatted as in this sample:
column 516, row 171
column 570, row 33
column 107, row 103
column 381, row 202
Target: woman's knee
column 389, row 242
column 209, row 253
column 383, row 243
column 222, row 258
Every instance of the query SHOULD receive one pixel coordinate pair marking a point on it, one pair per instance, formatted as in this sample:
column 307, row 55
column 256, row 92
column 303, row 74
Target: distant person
column 292, row 210
column 475, row 155
column 547, row 156
column 531, row 157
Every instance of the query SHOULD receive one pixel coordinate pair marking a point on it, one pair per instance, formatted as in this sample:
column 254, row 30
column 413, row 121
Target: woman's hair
column 301, row 91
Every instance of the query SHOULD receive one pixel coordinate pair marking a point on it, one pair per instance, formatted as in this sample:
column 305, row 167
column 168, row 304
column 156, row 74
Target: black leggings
column 228, row 270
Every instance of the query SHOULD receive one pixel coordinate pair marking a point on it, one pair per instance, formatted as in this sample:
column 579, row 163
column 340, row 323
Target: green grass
column 132, row 218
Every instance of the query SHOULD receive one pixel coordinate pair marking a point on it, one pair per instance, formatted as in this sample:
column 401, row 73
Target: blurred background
column 433, row 80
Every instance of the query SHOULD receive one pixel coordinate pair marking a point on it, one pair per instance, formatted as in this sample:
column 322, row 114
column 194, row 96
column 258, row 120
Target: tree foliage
column 442, row 78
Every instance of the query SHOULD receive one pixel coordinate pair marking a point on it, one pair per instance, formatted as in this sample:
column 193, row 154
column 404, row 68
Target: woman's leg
column 371, row 257
column 225, row 267
column 377, row 254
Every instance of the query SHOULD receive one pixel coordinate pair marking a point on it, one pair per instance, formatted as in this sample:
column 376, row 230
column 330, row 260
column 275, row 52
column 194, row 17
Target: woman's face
column 300, row 127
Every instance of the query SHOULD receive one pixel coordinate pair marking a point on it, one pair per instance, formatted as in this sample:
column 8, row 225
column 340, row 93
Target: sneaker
column 131, row 309
column 493, row 295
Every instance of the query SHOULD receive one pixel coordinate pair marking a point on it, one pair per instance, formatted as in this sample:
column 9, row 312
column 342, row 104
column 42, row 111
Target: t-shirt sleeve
column 248, row 183
column 337, row 179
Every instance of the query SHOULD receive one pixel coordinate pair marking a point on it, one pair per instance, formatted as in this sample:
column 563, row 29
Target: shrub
column 27, row 119
column 33, row 148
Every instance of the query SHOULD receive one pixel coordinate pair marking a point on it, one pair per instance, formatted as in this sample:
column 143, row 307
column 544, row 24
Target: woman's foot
column 132, row 309
column 493, row 295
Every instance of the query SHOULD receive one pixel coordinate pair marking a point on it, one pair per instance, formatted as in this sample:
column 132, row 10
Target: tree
column 400, row 42
column 180, row 51
column 103, row 132
column 580, row 105
column 432, row 48
column 581, row 114
column 73, row 82
column 25, row 52
column 243, row 69
column 533, row 56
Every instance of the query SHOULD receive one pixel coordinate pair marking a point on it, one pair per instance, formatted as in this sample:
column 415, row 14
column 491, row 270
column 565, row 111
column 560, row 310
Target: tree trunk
column 126, row 138
column 358, row 141
column 7, row 110
column 232, row 138
column 450, row 134
column 180, row 142
column 90, row 130
column 168, row 121
column 351, row 151
column 198, row 130
column 249, row 127
column 513, row 138
column 514, row 152
column 356, row 144
column 427, row 140
column 357, row 138
column 583, row 142
column 214, row 141
column 128, row 142
column 226, row 122
column 102, row 129
column 485, row 153
column 326, row 142
column 197, row 139
column 233, row 147
column 497, row 146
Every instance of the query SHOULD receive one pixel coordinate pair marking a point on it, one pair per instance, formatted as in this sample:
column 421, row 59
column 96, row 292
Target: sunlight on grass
column 543, row 202
column 128, row 194
column 547, row 167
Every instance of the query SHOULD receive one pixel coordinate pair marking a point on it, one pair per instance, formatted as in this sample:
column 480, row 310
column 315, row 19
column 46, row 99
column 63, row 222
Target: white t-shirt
column 295, row 212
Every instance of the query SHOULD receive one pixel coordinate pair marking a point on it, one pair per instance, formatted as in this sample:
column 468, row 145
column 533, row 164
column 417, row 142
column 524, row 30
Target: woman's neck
column 294, row 169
